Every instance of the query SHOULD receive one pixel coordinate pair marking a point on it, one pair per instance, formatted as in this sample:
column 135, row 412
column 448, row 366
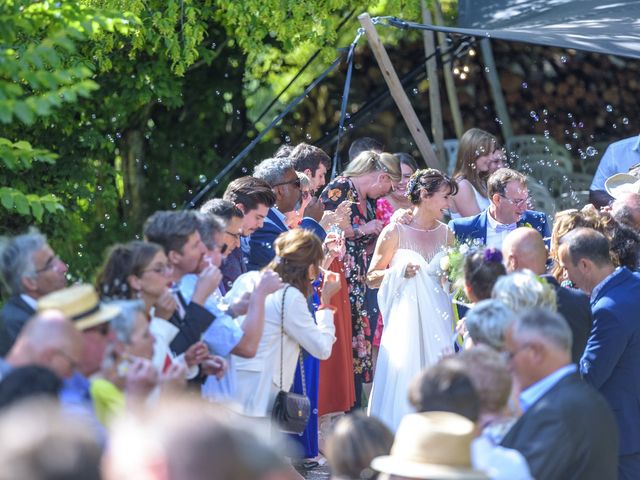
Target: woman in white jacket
column 297, row 261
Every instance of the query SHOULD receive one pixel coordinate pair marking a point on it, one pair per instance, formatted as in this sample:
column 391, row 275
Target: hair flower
column 492, row 255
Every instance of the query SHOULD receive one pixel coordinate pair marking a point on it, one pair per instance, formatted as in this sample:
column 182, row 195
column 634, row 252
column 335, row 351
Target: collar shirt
column 496, row 231
column 536, row 391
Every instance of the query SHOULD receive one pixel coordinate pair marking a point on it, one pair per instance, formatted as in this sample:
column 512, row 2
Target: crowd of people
column 522, row 361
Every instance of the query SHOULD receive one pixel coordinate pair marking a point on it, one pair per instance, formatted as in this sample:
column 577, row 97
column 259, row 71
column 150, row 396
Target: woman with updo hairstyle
column 481, row 269
column 369, row 176
column 523, row 289
column 479, row 155
column 415, row 308
column 286, row 319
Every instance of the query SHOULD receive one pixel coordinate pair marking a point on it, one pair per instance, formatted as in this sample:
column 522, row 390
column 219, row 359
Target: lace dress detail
column 424, row 242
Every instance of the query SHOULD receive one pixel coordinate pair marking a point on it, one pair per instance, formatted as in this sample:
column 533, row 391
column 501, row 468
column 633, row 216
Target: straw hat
column 81, row 304
column 621, row 183
column 431, row 445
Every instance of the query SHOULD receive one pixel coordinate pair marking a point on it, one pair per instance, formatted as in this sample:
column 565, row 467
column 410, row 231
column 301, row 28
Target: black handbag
column 291, row 411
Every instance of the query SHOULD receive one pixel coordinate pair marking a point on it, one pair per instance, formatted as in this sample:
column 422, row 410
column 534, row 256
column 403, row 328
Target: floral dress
column 355, row 263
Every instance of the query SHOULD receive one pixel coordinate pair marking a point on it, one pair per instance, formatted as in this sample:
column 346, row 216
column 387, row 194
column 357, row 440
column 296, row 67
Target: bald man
column 49, row 340
column 524, row 248
column 626, row 209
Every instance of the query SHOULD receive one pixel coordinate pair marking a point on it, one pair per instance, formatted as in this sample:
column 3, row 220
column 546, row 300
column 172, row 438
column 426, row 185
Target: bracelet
column 326, row 306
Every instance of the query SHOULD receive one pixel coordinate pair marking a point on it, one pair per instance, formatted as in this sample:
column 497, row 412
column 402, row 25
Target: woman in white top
column 416, row 309
column 297, row 261
column 479, row 156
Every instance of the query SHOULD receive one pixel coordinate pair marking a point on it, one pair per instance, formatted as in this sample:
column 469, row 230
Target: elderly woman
column 486, row 323
column 524, row 289
column 369, row 176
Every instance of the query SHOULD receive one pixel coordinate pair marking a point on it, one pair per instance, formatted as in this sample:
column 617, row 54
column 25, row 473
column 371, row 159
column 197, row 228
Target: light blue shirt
column 75, row 398
column 536, row 391
column 618, row 158
column 221, row 337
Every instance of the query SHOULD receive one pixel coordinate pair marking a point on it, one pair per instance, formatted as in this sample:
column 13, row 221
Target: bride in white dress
column 416, row 310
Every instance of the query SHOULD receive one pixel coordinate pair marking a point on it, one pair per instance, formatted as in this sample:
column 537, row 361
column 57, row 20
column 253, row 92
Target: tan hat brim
column 405, row 468
column 103, row 315
column 621, row 183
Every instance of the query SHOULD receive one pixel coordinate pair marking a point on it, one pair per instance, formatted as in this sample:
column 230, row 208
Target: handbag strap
column 304, row 386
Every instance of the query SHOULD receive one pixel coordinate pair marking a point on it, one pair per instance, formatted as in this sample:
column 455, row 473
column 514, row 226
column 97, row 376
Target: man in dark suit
column 283, row 179
column 567, row 430
column 611, row 361
column 524, row 248
column 509, row 197
column 30, row 269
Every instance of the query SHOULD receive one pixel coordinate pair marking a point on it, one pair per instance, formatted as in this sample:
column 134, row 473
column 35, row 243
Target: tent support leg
column 496, row 91
column 399, row 95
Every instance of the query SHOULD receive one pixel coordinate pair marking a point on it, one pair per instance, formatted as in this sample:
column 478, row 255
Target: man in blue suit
column 283, row 179
column 611, row 360
column 509, row 197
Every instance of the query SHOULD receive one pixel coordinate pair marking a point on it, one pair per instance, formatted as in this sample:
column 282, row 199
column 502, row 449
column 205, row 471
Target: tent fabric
column 609, row 27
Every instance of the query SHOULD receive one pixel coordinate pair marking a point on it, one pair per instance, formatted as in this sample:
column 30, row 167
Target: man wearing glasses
column 507, row 211
column 30, row 269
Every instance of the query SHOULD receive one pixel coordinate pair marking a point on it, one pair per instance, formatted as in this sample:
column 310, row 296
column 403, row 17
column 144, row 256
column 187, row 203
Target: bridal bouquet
column 448, row 263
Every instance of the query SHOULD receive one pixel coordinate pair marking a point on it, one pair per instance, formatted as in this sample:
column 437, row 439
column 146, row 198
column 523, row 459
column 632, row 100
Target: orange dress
column 337, row 387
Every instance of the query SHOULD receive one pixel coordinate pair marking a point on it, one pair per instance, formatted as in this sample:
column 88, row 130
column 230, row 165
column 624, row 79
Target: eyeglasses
column 295, row 182
column 516, row 203
column 51, row 264
column 234, row 235
column 103, row 329
column 509, row 356
column 160, row 269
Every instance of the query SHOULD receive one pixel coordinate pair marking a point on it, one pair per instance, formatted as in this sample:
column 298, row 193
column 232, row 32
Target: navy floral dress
column 355, row 263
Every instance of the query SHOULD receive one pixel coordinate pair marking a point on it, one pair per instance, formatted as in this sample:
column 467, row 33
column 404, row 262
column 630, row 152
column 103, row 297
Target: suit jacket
column 574, row 306
column 191, row 327
column 569, row 433
column 475, row 228
column 14, row 315
column 611, row 361
column 261, row 241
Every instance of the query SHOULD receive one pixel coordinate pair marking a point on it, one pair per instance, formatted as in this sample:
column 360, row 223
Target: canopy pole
column 435, row 107
column 496, row 91
column 398, row 94
column 449, row 82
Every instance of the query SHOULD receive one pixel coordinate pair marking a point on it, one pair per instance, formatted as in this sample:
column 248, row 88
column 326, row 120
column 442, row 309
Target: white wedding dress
column 418, row 322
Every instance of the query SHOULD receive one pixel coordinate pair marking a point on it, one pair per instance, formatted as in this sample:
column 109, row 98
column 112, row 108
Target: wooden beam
column 398, row 94
column 449, row 82
column 435, row 107
column 496, row 90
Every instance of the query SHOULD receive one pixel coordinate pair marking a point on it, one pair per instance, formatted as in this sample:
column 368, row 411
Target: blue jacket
column 261, row 241
column 611, row 361
column 475, row 228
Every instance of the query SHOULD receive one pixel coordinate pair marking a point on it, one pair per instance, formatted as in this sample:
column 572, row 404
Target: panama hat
column 431, row 445
column 81, row 304
column 621, row 183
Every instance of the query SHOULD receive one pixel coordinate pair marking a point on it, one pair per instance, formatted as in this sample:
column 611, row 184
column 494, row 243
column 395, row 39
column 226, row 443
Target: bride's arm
column 386, row 246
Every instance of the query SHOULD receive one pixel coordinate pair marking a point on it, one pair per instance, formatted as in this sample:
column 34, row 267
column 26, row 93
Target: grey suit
column 569, row 433
column 14, row 315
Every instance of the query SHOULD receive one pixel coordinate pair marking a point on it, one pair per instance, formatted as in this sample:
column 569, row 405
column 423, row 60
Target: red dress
column 337, row 387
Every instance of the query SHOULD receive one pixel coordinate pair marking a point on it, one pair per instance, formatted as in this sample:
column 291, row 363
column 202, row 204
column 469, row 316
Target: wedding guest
column 178, row 234
column 611, row 360
column 284, row 181
column 287, row 320
column 226, row 224
column 509, row 198
column 48, row 340
column 486, row 323
column 552, row 433
column 364, row 144
column 312, row 162
column 29, row 270
column 294, row 217
column 564, row 222
column 355, row 441
column 369, row 176
column 481, row 269
column 524, row 249
column 397, row 199
column 479, row 155
column 28, row 383
column 254, row 198
column 626, row 209
column 524, row 289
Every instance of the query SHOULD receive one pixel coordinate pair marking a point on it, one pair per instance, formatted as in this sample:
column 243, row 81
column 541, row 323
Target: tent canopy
column 609, row 27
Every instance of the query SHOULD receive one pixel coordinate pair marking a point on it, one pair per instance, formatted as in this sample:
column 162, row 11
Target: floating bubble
column 563, row 59
column 525, row 85
column 609, row 108
column 625, row 121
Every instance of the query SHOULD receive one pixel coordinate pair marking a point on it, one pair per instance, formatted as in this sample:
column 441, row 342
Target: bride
column 416, row 310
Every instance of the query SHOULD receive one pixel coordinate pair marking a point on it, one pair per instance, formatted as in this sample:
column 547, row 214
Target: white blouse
column 258, row 378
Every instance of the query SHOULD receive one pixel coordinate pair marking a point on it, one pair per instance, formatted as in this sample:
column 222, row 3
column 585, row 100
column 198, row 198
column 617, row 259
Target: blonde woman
column 478, row 157
column 369, row 176
column 523, row 289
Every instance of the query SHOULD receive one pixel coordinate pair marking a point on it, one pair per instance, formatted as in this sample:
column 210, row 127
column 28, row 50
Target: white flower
column 444, row 263
column 464, row 248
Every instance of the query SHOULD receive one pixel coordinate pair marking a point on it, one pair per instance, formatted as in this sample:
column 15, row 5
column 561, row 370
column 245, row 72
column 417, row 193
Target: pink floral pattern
column 384, row 210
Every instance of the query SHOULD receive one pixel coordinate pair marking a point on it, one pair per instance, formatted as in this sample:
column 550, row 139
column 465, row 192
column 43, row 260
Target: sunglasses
column 294, row 182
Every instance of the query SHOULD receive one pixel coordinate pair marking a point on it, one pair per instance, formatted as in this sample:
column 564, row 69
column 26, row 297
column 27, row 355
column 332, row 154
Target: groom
column 507, row 211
